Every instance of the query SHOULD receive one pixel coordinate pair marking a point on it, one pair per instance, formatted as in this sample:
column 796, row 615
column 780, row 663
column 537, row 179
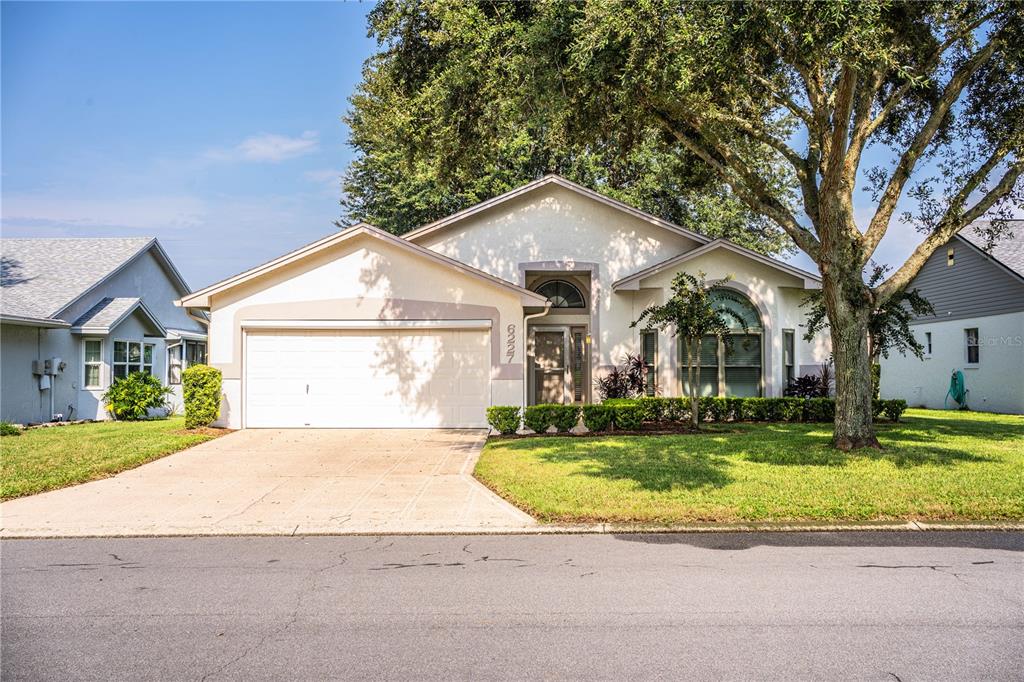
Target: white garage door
column 393, row 378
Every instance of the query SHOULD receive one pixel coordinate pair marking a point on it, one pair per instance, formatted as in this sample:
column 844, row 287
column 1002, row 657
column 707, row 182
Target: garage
column 431, row 374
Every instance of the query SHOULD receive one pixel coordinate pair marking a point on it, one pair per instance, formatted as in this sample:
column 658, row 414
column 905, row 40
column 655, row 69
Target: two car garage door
column 367, row 378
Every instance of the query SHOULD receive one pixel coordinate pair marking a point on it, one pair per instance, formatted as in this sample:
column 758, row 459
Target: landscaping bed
column 49, row 458
column 935, row 465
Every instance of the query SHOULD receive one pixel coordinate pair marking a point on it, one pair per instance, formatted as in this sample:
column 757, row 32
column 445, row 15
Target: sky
column 215, row 127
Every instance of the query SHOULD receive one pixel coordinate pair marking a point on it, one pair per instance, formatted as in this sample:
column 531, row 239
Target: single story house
column 75, row 314
column 525, row 298
column 977, row 328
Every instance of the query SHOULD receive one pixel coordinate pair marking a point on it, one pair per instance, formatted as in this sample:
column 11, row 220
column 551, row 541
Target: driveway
column 283, row 482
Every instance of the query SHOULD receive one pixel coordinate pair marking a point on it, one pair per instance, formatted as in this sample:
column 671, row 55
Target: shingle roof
column 107, row 313
column 1008, row 249
column 42, row 276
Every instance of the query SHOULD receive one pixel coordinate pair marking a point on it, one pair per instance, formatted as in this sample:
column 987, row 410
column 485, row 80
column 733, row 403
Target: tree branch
column 880, row 222
column 785, row 100
column 952, row 222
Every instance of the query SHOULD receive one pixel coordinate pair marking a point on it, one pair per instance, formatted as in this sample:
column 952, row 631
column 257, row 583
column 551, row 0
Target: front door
column 549, row 367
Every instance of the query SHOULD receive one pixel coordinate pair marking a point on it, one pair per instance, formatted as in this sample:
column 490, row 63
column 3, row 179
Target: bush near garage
column 201, row 389
column 597, row 417
column 505, row 419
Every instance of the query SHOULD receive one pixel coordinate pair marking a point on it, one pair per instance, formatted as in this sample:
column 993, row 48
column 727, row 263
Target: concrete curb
column 569, row 529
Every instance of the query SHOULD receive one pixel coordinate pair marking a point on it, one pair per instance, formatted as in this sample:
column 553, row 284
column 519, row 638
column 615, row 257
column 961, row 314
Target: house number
column 510, row 343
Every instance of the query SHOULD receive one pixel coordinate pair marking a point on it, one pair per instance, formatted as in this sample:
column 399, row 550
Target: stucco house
column 77, row 313
column 522, row 299
column 977, row 328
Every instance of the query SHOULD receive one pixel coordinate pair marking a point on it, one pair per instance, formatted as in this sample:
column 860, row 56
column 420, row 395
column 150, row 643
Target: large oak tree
column 936, row 87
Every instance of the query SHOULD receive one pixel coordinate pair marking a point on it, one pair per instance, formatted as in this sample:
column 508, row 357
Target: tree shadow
column 981, row 539
column 650, row 462
column 11, row 272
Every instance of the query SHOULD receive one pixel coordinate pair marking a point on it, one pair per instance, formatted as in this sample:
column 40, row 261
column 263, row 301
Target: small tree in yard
column 201, row 389
column 690, row 315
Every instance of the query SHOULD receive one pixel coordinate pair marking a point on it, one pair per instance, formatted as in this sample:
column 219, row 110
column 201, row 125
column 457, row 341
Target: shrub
column 9, row 429
column 807, row 386
column 876, row 380
column 624, row 381
column 733, row 408
column 676, row 409
column 713, row 408
column 537, row 418
column 628, row 417
column 504, row 419
column 597, row 417
column 894, row 409
column 790, row 409
column 133, row 396
column 653, row 408
column 201, row 391
column 819, row 410
column 876, row 407
column 564, row 417
column 755, row 409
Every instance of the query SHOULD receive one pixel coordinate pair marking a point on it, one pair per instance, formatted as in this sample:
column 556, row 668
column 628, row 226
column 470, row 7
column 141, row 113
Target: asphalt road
column 875, row 606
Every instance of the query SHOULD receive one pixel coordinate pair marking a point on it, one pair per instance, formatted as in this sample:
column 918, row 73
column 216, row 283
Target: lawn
column 55, row 457
column 935, row 465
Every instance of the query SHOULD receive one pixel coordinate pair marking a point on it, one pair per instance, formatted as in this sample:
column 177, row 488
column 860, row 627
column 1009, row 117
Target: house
column 522, row 299
column 75, row 314
column 977, row 328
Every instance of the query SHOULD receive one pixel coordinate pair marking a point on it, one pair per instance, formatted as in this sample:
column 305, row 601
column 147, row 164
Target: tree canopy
column 448, row 115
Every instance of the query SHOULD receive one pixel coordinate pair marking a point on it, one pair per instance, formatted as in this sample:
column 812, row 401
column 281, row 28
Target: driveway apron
column 284, row 482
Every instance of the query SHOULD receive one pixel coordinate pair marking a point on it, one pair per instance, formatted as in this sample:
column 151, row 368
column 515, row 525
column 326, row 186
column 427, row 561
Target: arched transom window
column 730, row 367
column 562, row 294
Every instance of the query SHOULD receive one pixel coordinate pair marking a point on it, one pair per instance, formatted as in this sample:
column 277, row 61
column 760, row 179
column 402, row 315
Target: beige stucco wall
column 365, row 278
column 996, row 383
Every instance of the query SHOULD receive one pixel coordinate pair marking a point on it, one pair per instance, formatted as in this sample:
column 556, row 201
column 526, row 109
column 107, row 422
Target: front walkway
column 283, row 482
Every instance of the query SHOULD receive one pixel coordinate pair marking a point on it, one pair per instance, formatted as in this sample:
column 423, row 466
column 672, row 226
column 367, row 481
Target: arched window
column 562, row 294
column 730, row 367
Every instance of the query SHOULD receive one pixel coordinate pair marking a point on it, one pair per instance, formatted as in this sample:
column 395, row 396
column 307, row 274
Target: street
column 865, row 605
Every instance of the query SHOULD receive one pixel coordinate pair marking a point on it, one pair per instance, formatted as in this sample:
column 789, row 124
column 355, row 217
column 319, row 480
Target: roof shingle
column 42, row 276
column 1008, row 249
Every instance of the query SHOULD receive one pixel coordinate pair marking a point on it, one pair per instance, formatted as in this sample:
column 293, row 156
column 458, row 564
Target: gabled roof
column 42, row 277
column 1008, row 251
column 632, row 282
column 201, row 298
column 110, row 312
column 545, row 181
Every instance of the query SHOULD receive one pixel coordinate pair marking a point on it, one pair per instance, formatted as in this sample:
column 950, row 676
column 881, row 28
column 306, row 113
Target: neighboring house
column 978, row 326
column 363, row 328
column 104, row 308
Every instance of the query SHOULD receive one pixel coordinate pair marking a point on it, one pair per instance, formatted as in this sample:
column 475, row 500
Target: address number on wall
column 510, row 342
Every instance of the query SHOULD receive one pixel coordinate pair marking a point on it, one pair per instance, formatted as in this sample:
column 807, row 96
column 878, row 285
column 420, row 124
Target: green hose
column 957, row 390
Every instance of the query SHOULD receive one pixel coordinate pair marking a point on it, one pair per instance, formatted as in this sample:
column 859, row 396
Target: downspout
column 201, row 320
column 526, row 363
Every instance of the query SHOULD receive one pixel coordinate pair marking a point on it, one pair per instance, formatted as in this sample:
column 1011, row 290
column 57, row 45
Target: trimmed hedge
column 894, row 409
column 200, row 385
column 752, row 409
column 598, row 417
column 628, row 417
column 504, row 419
column 537, row 418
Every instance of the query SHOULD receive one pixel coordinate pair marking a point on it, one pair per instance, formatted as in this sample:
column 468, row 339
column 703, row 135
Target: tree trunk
column 848, row 322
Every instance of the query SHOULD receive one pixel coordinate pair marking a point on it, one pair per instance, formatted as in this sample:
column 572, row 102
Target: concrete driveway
column 283, row 482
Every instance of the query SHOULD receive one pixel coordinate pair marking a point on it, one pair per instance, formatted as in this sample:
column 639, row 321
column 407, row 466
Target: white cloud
column 269, row 147
column 26, row 213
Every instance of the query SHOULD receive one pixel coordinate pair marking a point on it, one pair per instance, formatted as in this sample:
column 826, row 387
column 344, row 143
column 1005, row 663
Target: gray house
column 977, row 328
column 75, row 314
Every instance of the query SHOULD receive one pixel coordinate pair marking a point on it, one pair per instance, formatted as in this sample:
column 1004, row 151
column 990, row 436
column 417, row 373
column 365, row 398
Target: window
column 731, row 367
column 562, row 294
column 194, row 353
column 649, row 348
column 950, row 253
column 973, row 354
column 789, row 354
column 132, row 356
column 928, row 344
column 92, row 349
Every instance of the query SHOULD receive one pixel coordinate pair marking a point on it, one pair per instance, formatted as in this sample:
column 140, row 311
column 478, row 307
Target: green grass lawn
column 935, row 465
column 49, row 458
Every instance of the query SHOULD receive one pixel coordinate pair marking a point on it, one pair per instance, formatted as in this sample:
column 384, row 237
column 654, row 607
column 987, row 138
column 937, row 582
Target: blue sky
column 213, row 126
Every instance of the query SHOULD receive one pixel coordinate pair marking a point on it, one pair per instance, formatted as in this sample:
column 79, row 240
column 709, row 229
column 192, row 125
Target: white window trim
column 793, row 363
column 142, row 359
column 85, row 386
column 967, row 346
column 927, row 345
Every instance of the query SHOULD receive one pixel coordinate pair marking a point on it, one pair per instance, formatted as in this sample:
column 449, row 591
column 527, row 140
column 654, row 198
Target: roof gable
column 43, row 277
column 546, row 181
column 632, row 282
column 1007, row 252
column 201, row 298
column 103, row 317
